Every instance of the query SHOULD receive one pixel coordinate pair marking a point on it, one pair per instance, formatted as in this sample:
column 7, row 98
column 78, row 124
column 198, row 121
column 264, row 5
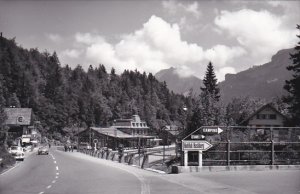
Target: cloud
column 174, row 7
column 56, row 38
column 88, row 38
column 220, row 73
column 156, row 45
column 260, row 32
column 222, row 55
column 71, row 53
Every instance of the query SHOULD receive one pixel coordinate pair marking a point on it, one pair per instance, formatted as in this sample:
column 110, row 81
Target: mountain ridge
column 264, row 81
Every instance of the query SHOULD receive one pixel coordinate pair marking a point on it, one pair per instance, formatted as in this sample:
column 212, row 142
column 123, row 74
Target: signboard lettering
column 197, row 136
column 195, row 145
column 216, row 130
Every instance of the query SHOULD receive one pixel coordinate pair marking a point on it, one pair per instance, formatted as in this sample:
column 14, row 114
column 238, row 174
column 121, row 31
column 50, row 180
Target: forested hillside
column 63, row 97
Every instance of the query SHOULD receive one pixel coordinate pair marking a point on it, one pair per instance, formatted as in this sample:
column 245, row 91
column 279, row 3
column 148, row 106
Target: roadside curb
column 191, row 169
column 154, row 170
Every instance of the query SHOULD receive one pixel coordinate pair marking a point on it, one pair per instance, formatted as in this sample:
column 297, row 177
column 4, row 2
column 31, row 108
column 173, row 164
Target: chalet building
column 130, row 133
column 18, row 122
column 266, row 116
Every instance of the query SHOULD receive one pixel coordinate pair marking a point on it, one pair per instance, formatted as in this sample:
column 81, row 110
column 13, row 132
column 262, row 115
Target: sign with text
column 195, row 145
column 213, row 130
column 197, row 136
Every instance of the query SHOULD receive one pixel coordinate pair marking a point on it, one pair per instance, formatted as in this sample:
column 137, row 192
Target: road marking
column 56, row 177
column 57, row 173
column 49, row 186
column 54, row 162
column 17, row 164
column 54, row 181
column 41, row 192
column 57, row 168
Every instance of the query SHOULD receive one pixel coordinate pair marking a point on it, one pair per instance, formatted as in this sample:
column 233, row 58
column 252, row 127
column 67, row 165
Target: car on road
column 43, row 150
column 17, row 152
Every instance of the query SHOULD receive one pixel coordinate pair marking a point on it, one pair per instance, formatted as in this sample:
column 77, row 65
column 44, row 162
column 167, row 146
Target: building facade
column 130, row 133
column 266, row 116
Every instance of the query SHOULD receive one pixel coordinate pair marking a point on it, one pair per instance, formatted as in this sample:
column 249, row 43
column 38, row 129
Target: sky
column 150, row 35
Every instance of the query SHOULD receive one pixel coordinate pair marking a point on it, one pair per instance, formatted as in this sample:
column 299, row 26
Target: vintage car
column 43, row 150
column 17, row 152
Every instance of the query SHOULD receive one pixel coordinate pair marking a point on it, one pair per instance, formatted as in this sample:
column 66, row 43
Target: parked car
column 43, row 150
column 17, row 152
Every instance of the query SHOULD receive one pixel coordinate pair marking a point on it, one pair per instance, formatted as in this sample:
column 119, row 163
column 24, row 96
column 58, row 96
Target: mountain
column 179, row 84
column 265, row 81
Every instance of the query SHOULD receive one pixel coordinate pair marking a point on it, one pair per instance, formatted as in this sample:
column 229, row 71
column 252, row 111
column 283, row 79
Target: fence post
column 272, row 152
column 228, row 152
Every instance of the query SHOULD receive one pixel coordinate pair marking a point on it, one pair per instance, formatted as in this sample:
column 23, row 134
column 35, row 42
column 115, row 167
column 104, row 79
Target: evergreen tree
column 293, row 86
column 209, row 98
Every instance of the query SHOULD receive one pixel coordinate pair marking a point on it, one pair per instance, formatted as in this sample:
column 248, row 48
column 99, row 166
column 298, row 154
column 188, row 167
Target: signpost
column 197, row 136
column 196, row 142
column 200, row 145
column 212, row 130
column 194, row 145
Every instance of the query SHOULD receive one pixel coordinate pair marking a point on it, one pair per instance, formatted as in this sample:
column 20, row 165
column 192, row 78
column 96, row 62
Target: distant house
column 170, row 132
column 18, row 122
column 266, row 116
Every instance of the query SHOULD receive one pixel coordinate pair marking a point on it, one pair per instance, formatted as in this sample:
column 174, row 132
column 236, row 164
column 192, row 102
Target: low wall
column 188, row 169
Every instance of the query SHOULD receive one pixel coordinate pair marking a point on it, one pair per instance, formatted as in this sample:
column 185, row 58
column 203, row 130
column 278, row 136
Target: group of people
column 68, row 148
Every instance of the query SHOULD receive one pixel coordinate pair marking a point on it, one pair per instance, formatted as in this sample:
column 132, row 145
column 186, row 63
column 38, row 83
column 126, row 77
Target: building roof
column 260, row 109
column 172, row 129
column 18, row 116
column 113, row 132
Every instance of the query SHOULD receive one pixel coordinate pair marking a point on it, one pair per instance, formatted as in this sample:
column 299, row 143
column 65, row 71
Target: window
column 133, row 124
column 272, row 116
column 261, row 116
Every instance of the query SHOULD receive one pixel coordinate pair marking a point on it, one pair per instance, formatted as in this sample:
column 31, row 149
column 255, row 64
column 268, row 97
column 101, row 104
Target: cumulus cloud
column 220, row 73
column 156, row 45
column 174, row 7
column 260, row 32
column 56, row 38
column 222, row 55
column 71, row 53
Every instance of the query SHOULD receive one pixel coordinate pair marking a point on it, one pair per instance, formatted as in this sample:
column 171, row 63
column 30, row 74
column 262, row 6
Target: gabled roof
column 172, row 129
column 113, row 132
column 260, row 109
column 18, row 116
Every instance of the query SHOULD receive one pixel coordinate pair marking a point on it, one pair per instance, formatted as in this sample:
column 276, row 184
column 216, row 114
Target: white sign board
column 216, row 130
column 190, row 145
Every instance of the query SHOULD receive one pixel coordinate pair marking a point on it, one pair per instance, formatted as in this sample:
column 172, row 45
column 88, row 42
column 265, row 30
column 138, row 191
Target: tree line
column 64, row 98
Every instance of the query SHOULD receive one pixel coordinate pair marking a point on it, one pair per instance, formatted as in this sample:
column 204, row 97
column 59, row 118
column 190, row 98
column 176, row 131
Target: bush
column 7, row 158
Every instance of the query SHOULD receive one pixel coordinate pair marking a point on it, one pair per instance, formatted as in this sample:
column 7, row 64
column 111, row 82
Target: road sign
column 213, row 130
column 192, row 145
column 197, row 136
column 95, row 140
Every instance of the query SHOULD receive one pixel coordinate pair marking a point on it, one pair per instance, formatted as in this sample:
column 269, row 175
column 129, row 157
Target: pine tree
column 293, row 86
column 210, row 97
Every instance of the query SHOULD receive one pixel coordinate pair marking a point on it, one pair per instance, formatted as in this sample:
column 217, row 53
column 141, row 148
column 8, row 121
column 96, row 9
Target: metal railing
column 239, row 145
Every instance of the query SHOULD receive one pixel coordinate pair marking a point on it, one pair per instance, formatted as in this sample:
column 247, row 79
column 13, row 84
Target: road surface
column 76, row 173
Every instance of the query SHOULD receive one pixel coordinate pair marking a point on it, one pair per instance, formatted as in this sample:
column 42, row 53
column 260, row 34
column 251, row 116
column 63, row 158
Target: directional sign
column 190, row 145
column 197, row 136
column 214, row 130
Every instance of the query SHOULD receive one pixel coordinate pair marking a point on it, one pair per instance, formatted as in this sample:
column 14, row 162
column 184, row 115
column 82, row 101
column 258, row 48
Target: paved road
column 76, row 173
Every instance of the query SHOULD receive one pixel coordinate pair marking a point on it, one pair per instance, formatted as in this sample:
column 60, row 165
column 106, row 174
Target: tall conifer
column 293, row 85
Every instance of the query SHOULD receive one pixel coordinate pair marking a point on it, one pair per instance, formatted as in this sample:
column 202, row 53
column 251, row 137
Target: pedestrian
column 72, row 148
column 65, row 147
